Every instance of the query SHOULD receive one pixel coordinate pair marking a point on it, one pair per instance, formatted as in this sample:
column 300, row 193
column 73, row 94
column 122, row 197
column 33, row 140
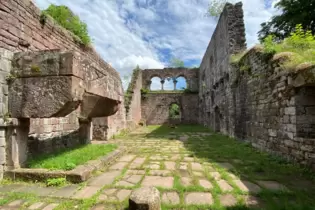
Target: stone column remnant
column 145, row 198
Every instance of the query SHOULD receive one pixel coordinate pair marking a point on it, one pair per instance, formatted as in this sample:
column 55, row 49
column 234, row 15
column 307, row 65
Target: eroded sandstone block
column 145, row 198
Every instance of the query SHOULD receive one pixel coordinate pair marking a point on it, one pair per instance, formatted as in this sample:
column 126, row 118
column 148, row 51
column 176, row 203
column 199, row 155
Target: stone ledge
column 79, row 174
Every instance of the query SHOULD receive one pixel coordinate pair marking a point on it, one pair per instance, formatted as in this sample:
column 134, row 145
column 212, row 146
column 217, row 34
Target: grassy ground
column 208, row 150
column 69, row 159
column 250, row 164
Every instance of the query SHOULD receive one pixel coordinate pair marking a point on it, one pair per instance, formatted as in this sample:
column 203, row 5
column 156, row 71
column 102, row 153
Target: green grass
column 69, row 159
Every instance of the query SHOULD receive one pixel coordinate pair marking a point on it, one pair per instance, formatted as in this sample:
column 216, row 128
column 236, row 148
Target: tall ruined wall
column 228, row 38
column 156, row 106
column 271, row 107
column 5, row 63
column 134, row 108
column 22, row 30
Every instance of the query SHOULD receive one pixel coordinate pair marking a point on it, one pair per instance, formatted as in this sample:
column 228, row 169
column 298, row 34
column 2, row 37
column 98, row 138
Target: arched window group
column 168, row 83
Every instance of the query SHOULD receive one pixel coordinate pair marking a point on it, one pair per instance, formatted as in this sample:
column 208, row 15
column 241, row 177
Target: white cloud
column 148, row 32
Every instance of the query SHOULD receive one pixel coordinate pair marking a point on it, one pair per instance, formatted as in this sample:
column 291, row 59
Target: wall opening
column 181, row 83
column 174, row 112
column 169, row 83
column 305, row 112
column 156, row 84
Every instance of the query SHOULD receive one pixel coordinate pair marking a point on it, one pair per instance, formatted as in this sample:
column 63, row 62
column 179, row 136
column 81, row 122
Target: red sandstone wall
column 21, row 30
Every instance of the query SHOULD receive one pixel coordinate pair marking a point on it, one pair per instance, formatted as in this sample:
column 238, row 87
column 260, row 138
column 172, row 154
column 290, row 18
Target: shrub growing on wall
column 67, row 19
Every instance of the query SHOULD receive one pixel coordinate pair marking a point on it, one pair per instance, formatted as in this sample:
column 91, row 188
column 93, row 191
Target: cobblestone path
column 192, row 168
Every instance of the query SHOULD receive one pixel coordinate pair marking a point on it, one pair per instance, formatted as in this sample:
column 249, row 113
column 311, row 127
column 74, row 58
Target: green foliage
column 35, row 68
column 56, row 182
column 67, row 19
column 235, row 58
column 293, row 13
column 300, row 42
column 70, row 158
column 174, row 111
column 176, row 63
column 187, row 90
column 129, row 92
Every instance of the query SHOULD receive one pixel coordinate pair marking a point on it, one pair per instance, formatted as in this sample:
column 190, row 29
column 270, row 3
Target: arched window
column 181, row 83
column 156, row 84
column 169, row 83
column 174, row 112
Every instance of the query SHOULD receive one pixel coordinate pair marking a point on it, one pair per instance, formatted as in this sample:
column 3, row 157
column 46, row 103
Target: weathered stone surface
column 170, row 165
column 170, row 198
column 196, row 166
column 118, row 166
column 123, row 194
column 158, row 181
column 186, row 181
column 126, row 158
column 271, row 185
column 228, row 200
column 198, row 198
column 225, row 187
column 205, row 184
column 160, row 173
column 145, row 198
column 247, row 186
column 215, row 175
column 86, row 192
column 104, row 179
column 36, row 205
column 51, row 206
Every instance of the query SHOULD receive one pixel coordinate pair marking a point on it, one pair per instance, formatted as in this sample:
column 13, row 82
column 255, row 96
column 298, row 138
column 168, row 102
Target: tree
column 176, row 63
column 294, row 12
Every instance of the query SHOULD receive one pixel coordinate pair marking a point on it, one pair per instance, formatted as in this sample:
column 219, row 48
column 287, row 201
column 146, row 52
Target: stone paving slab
column 118, row 166
column 196, row 166
column 65, row 192
column 228, row 200
column 36, row 206
column 198, row 198
column 160, row 173
column 169, row 165
column 205, row 184
column 135, row 172
column 271, row 185
column 126, row 158
column 224, row 186
column 247, row 186
column 215, row 175
column 170, row 198
column 186, row 181
column 51, row 206
column 87, row 192
column 158, row 181
column 136, row 163
column 104, row 179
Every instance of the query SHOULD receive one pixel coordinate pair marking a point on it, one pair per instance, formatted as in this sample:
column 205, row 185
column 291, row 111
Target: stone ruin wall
column 21, row 30
column 155, row 106
column 134, row 111
column 256, row 100
column 228, row 38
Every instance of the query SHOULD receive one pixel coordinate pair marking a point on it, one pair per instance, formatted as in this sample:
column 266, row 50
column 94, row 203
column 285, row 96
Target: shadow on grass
column 228, row 155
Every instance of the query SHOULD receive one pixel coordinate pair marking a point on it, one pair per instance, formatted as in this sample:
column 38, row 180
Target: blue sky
column 148, row 33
